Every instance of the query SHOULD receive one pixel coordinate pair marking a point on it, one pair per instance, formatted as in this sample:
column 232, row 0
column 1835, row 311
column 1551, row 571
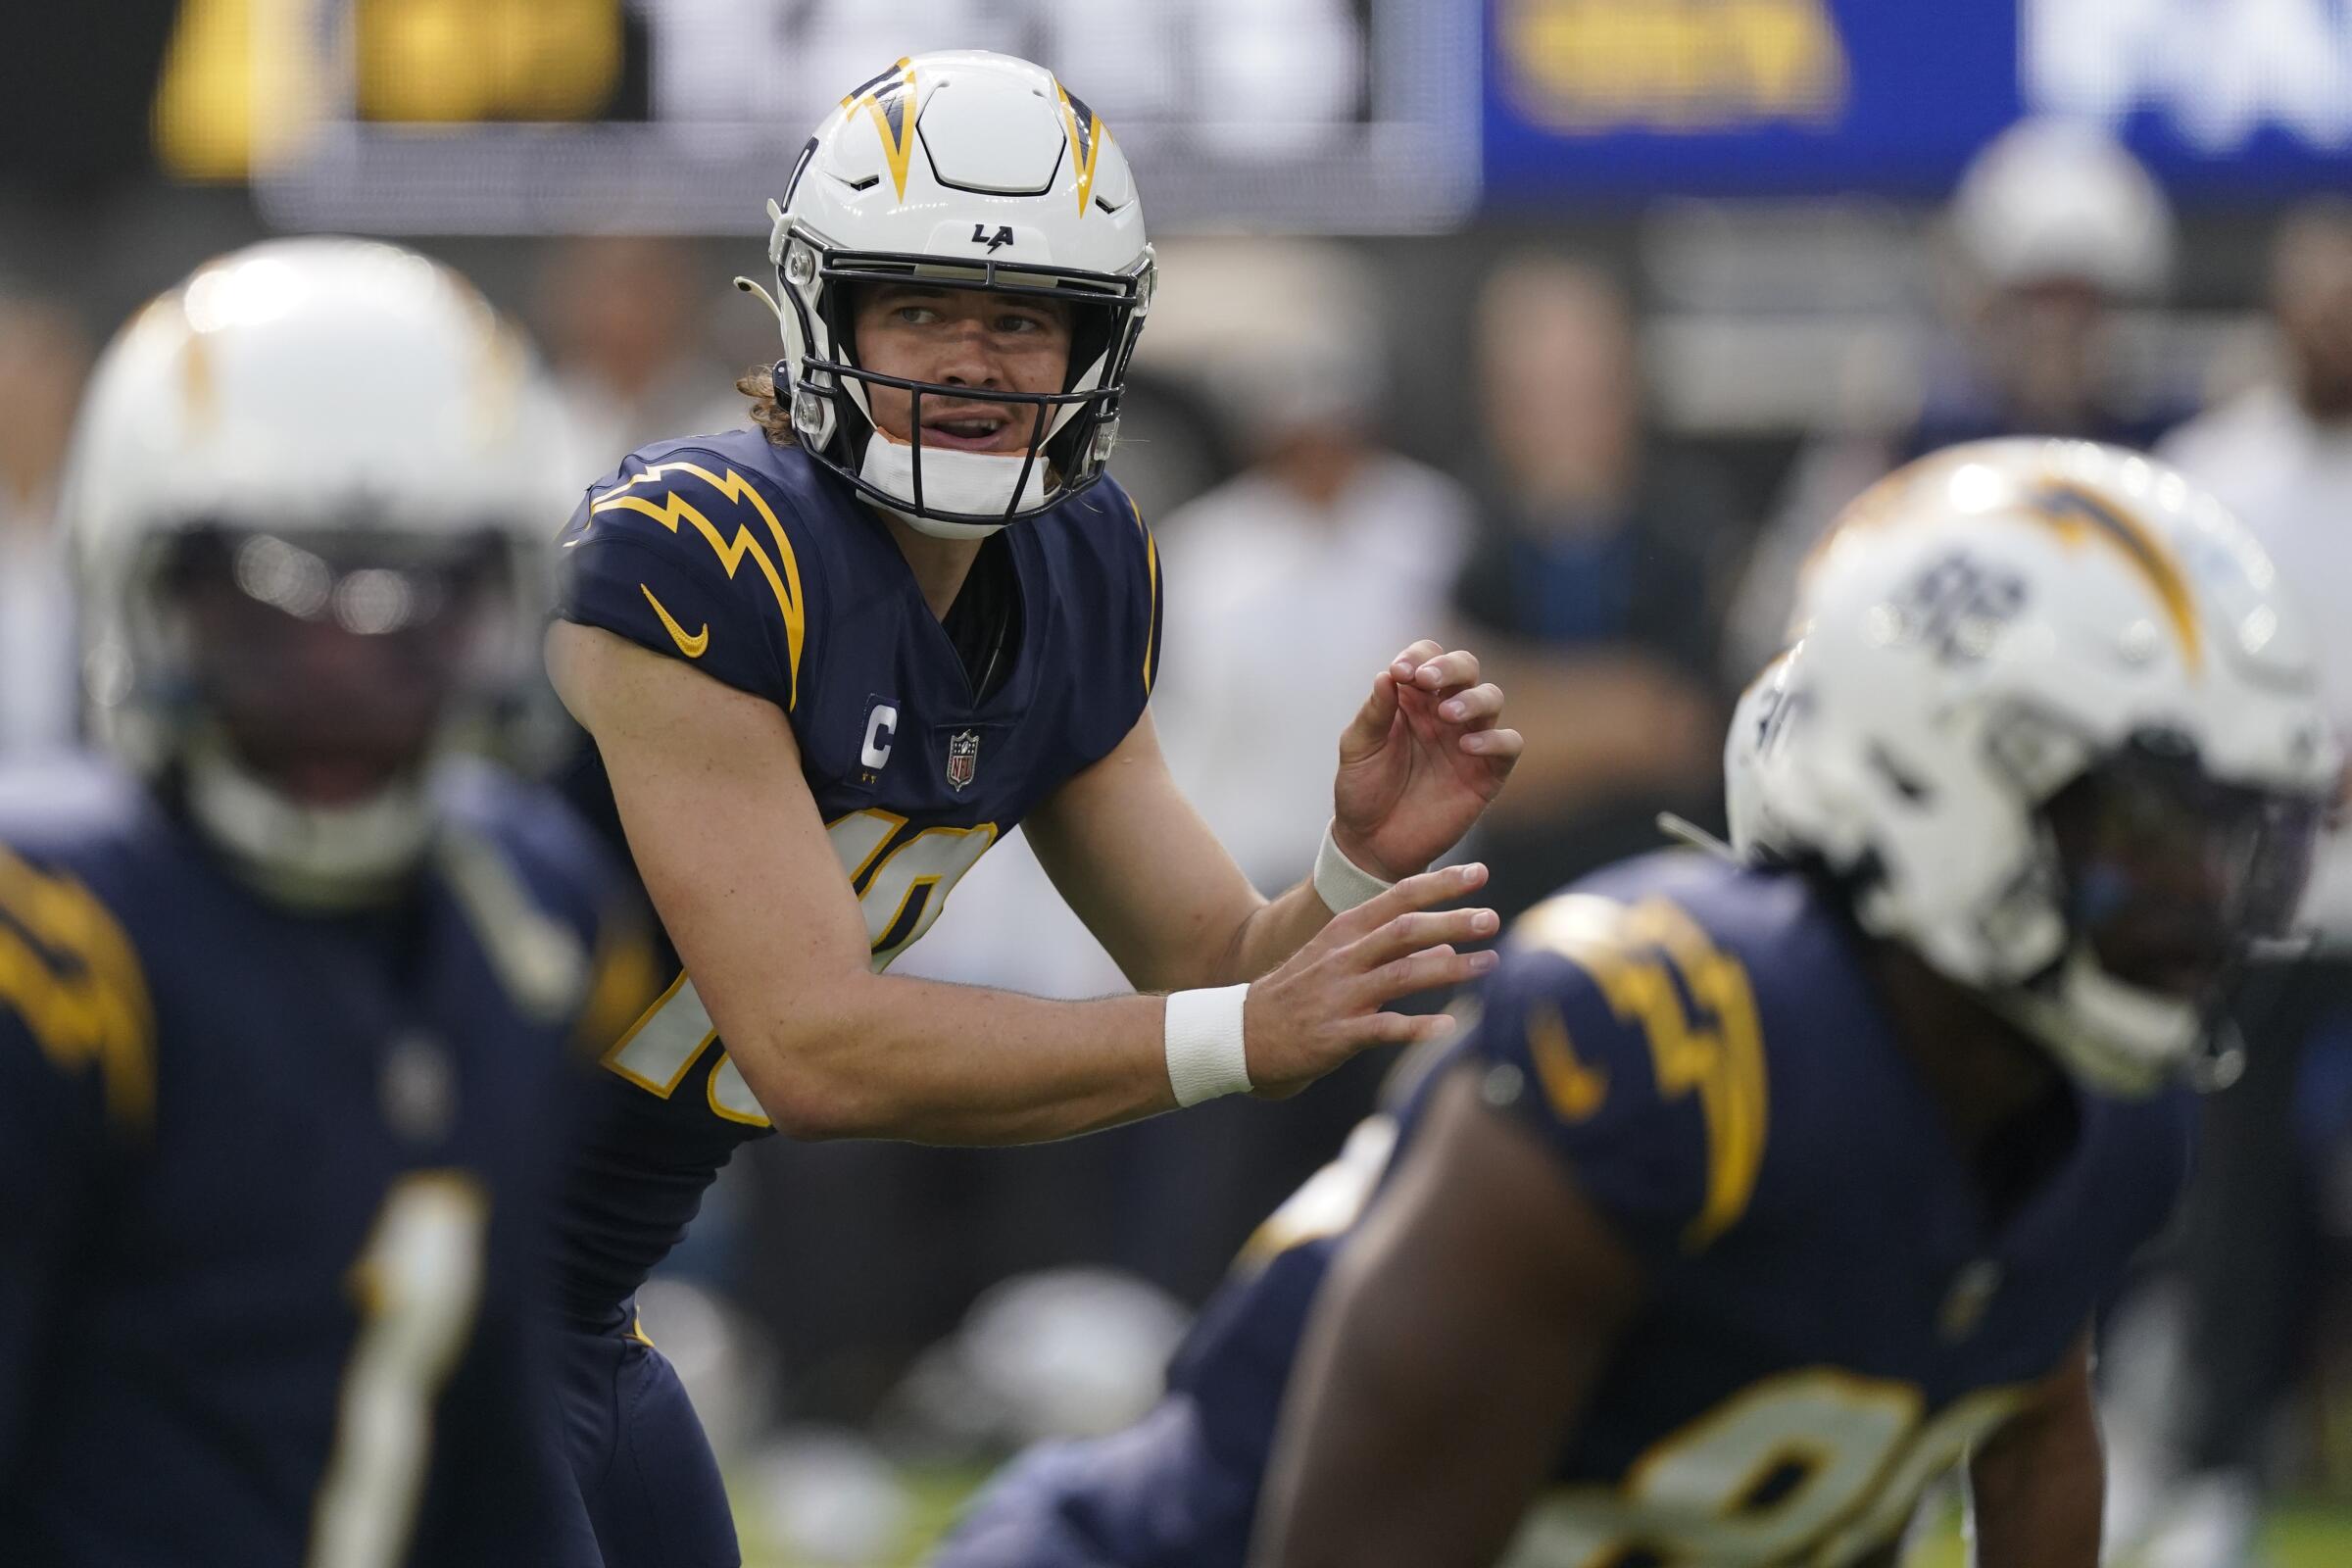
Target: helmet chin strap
column 952, row 481
column 312, row 857
column 2114, row 1038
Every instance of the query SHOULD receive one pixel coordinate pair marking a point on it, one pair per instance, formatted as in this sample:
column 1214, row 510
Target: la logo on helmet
column 1002, row 236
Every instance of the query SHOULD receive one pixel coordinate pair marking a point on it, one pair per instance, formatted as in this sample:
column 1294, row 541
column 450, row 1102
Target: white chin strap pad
column 2116, row 1038
column 308, row 857
column 952, row 481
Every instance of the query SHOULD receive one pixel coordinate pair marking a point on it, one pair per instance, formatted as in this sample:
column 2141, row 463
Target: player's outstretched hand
column 1324, row 1005
column 1420, row 761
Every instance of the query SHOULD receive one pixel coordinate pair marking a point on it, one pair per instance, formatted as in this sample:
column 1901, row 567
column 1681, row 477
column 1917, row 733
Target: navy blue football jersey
column 278, row 1186
column 762, row 569
column 1833, row 1313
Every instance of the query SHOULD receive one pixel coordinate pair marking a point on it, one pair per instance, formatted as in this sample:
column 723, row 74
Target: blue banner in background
column 1625, row 99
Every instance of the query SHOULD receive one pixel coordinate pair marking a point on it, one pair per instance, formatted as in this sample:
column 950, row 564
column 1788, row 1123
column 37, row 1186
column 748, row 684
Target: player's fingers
column 1503, row 743
column 1416, row 892
column 1415, row 656
column 1480, row 703
column 1423, row 928
column 1448, row 672
column 1428, row 969
column 1408, row 1028
column 1370, row 725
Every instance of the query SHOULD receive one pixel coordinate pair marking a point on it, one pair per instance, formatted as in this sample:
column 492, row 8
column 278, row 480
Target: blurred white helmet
column 307, row 501
column 972, row 171
column 2059, row 199
column 2053, row 720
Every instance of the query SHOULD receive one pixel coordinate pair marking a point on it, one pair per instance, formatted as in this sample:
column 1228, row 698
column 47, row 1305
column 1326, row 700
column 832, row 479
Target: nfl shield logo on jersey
column 963, row 757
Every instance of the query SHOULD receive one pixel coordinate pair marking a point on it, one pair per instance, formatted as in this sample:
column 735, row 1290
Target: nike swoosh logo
column 692, row 647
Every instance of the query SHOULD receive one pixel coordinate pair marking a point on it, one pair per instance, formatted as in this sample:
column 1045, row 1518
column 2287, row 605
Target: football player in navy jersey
column 287, row 988
column 829, row 661
column 1766, row 1187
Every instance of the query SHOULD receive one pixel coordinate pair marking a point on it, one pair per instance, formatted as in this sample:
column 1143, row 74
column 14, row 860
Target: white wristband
column 1204, row 1036
column 1340, row 882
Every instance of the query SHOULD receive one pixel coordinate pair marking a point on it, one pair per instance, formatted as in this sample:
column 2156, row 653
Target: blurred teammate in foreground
column 285, row 988
column 1760, row 1193
column 829, row 661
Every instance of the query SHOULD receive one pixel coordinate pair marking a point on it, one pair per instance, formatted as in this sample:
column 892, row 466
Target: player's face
column 328, row 667
column 2169, row 873
column 2048, row 343
column 961, row 338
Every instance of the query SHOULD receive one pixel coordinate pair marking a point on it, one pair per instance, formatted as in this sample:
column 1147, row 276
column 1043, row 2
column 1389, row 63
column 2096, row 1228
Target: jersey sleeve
column 1630, row 1044
column 691, row 558
column 1118, row 595
column 1155, row 616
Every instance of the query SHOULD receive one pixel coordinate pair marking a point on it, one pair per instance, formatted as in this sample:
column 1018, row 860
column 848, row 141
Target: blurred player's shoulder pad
column 1704, row 1045
column 568, row 869
column 1631, row 1020
column 87, row 869
column 568, row 932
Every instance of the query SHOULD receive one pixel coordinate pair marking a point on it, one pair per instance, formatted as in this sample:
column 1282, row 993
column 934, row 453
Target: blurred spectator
column 2281, row 456
column 2053, row 228
column 1293, row 584
column 2272, row 1165
column 1593, row 596
column 43, row 358
column 624, row 322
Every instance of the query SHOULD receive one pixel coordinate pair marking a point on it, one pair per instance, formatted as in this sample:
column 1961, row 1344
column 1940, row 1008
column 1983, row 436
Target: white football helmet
column 2054, row 721
column 308, row 501
column 975, row 170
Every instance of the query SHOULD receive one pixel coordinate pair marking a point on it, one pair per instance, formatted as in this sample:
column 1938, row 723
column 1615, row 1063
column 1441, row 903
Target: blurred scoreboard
column 2227, row 99
column 569, row 116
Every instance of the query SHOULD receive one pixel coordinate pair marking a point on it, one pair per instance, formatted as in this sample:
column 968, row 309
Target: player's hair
column 758, row 383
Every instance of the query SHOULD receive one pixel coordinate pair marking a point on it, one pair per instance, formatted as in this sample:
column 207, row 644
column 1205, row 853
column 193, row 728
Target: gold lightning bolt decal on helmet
column 890, row 99
column 1085, row 130
column 2078, row 516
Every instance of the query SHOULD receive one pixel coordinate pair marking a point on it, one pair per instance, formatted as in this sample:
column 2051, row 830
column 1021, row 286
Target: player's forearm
column 936, row 1064
column 2037, row 1486
column 1383, row 1462
column 1268, row 935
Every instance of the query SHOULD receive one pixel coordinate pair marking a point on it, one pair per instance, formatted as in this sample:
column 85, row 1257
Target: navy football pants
column 646, row 1489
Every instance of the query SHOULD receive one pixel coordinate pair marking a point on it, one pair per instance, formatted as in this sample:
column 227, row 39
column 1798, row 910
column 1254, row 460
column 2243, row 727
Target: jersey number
column 900, row 893
column 418, row 1281
column 1814, row 1468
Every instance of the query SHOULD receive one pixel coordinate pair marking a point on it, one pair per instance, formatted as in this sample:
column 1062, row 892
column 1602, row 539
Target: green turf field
column 2299, row 1536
